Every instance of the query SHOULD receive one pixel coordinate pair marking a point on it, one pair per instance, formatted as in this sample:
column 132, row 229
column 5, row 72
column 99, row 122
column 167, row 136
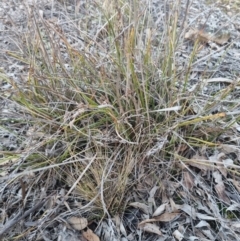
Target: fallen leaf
column 78, row 223
column 220, row 189
column 90, row 236
column 204, row 216
column 208, row 234
column 141, row 206
column 147, row 221
column 160, row 210
column 151, row 228
column 174, row 207
column 167, row 217
column 151, row 200
column 178, row 235
column 203, row 36
column 202, row 223
column 189, row 210
column 119, row 225
column 188, row 180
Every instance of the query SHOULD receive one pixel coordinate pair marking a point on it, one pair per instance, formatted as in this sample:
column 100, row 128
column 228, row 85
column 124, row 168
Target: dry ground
column 119, row 120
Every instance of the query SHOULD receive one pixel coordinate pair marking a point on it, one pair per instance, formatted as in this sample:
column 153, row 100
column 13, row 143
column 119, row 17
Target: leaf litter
column 203, row 198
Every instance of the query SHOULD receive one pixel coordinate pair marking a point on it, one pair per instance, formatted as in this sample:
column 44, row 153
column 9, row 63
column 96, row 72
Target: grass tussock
column 117, row 113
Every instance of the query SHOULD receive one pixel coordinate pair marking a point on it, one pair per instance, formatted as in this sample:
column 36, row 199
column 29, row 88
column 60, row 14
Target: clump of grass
column 111, row 113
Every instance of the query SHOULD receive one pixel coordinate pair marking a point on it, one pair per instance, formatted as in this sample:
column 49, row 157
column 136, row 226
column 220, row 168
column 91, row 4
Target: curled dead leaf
column 78, row 223
column 202, row 223
column 90, row 235
column 178, row 235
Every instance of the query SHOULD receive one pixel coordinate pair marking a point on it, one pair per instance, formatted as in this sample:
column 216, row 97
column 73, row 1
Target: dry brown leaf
column 160, row 210
column 147, row 221
column 141, row 206
column 90, row 235
column 151, row 228
column 221, row 39
column 200, row 35
column 188, row 180
column 174, row 207
column 78, row 223
column 167, row 217
column 204, row 37
column 191, row 34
